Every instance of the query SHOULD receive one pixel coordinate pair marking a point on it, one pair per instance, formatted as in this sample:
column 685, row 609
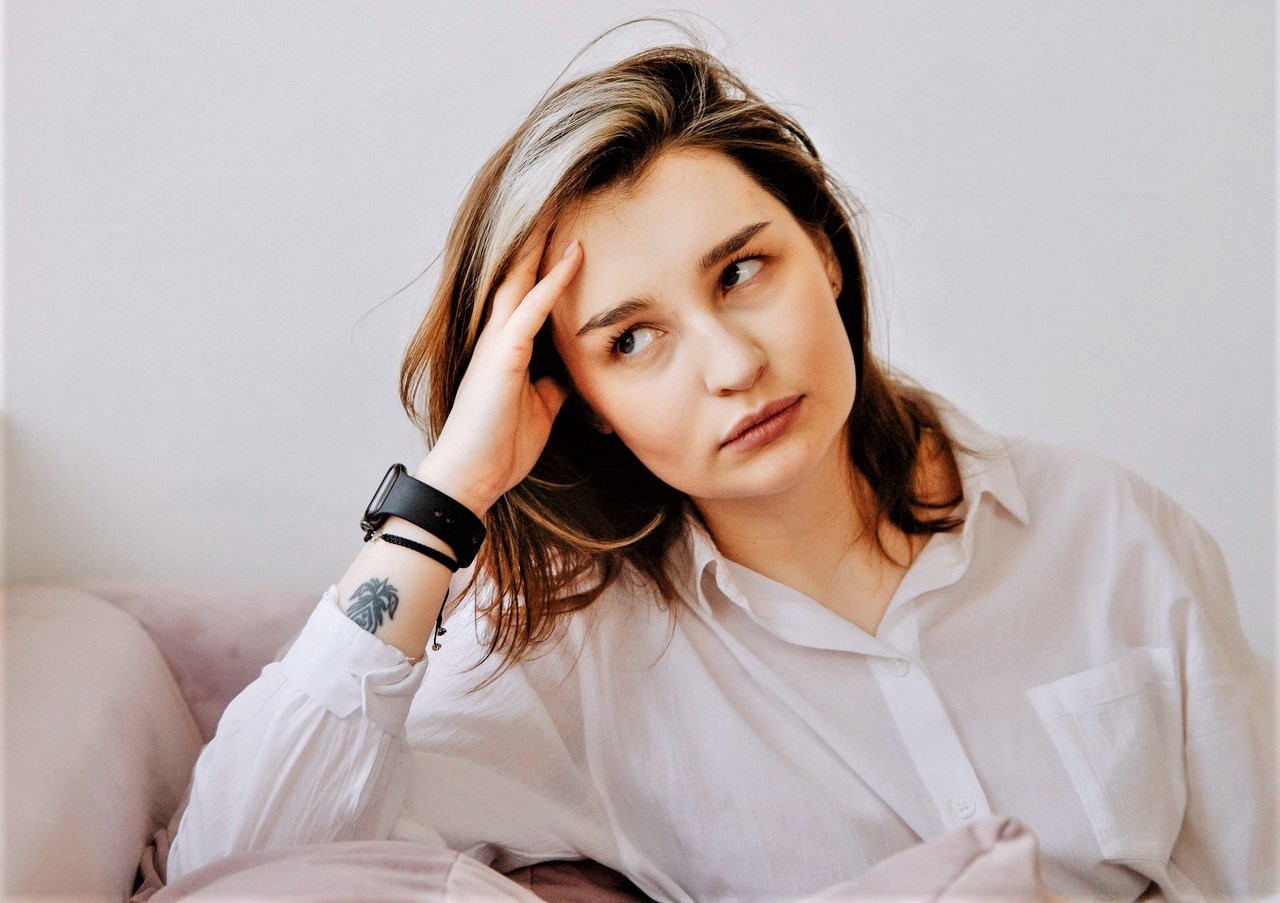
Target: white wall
column 210, row 206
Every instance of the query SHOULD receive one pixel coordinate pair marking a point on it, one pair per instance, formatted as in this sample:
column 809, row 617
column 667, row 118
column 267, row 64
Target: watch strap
column 427, row 507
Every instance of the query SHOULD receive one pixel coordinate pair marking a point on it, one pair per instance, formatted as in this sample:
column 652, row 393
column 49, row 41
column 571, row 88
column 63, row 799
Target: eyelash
column 618, row 336
column 742, row 257
column 616, row 339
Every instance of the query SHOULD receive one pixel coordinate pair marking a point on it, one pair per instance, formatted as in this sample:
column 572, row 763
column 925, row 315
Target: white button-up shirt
column 1071, row 656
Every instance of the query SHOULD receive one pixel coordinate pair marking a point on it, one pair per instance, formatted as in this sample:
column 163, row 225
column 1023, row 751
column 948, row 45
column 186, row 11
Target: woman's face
column 703, row 330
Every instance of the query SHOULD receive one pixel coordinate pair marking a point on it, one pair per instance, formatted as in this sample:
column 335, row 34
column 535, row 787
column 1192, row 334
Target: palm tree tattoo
column 371, row 601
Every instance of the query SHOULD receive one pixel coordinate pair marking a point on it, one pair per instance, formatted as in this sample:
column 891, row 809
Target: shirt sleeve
column 1227, row 845
column 314, row 750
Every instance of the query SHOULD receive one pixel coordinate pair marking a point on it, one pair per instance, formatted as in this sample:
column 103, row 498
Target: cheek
column 815, row 344
column 814, row 333
column 657, row 422
column 644, row 416
column 825, row 321
column 837, row 360
column 837, row 346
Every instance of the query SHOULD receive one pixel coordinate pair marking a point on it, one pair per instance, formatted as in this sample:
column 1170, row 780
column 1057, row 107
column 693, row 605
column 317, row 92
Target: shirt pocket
column 1118, row 730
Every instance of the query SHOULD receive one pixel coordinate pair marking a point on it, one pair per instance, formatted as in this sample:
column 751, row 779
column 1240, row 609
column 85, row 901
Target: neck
column 822, row 541
column 799, row 537
column 819, row 541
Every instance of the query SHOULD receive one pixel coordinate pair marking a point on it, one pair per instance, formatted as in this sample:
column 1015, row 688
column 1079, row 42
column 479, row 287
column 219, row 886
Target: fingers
column 515, row 285
column 535, row 307
column 523, row 274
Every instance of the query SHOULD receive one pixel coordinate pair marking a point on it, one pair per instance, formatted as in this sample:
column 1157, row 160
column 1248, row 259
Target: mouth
column 763, row 425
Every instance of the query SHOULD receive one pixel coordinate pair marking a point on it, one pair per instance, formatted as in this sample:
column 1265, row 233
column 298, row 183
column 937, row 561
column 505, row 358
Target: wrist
column 428, row 506
column 409, row 530
column 450, row 480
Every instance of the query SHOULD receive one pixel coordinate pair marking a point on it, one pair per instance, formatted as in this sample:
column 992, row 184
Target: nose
column 731, row 357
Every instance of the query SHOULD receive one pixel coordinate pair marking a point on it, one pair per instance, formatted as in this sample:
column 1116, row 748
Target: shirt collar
column 986, row 470
column 985, row 463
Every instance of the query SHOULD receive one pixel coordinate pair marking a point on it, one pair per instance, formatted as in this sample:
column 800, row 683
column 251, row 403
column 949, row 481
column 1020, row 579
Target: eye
column 634, row 340
column 740, row 271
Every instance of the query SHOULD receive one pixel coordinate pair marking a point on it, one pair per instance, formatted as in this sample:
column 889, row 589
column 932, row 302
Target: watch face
column 373, row 516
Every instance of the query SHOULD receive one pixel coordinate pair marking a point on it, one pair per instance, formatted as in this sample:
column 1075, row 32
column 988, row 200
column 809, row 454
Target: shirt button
column 962, row 807
column 900, row 666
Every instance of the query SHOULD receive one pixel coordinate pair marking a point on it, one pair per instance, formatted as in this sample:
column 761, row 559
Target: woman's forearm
column 312, row 751
column 395, row 592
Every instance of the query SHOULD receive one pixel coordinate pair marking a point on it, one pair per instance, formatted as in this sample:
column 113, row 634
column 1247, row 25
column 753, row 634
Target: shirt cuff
column 345, row 668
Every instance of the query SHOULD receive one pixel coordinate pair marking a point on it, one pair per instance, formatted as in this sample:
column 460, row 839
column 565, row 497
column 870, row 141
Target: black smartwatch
column 402, row 496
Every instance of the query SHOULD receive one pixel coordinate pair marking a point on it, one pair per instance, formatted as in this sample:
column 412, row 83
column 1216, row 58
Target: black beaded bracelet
column 434, row 555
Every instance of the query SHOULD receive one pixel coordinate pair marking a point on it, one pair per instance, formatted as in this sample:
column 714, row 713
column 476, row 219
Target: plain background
column 210, row 208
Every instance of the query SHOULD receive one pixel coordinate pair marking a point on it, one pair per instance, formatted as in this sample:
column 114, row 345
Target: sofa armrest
column 99, row 743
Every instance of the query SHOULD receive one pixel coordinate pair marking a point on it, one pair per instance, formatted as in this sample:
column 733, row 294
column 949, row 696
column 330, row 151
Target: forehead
column 684, row 186
column 657, row 227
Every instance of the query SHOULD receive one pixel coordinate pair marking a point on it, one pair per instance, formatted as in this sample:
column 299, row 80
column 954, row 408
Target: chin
column 777, row 474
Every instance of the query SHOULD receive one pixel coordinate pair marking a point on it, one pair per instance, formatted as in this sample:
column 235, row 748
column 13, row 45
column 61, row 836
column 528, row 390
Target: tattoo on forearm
column 371, row 602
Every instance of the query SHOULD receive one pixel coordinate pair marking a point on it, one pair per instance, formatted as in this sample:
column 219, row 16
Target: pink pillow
column 215, row 638
column 99, row 744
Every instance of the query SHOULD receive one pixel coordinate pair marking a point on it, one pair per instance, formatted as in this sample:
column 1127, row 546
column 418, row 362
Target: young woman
column 750, row 615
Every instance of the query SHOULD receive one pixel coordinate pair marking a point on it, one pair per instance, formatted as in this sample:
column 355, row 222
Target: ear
column 834, row 275
column 594, row 420
column 598, row 423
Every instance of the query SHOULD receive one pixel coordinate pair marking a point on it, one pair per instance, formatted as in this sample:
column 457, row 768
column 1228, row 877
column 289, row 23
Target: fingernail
column 572, row 246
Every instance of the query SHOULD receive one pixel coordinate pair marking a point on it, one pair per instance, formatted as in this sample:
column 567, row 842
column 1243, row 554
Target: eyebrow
column 730, row 245
column 613, row 315
column 714, row 255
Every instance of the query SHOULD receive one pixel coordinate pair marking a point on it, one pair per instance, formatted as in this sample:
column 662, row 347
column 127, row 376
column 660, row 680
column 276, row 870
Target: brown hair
column 590, row 509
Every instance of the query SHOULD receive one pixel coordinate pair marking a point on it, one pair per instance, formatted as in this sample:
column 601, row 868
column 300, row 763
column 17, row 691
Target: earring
column 835, row 287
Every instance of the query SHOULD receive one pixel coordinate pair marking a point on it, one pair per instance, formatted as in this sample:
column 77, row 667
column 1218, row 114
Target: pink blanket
column 992, row 859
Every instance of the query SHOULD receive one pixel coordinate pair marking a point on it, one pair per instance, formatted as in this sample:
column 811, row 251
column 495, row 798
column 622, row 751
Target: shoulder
column 1059, row 478
column 1080, row 503
column 1085, row 500
column 1123, row 554
column 1046, row 483
column 1052, row 474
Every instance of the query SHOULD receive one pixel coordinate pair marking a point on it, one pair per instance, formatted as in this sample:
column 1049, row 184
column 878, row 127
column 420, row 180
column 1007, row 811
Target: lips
column 763, row 425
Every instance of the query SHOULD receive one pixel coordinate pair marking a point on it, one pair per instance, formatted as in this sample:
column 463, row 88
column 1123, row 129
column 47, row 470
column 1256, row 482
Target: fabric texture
column 1071, row 657
column 354, row 872
column 992, row 859
column 373, row 870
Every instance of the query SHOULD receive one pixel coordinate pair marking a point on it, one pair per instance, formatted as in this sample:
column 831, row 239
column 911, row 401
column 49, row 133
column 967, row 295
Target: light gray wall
column 211, row 205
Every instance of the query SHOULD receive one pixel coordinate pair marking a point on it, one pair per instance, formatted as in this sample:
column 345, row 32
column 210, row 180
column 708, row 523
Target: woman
column 750, row 615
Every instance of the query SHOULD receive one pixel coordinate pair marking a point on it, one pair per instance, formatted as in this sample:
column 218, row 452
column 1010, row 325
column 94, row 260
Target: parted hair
column 589, row 510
